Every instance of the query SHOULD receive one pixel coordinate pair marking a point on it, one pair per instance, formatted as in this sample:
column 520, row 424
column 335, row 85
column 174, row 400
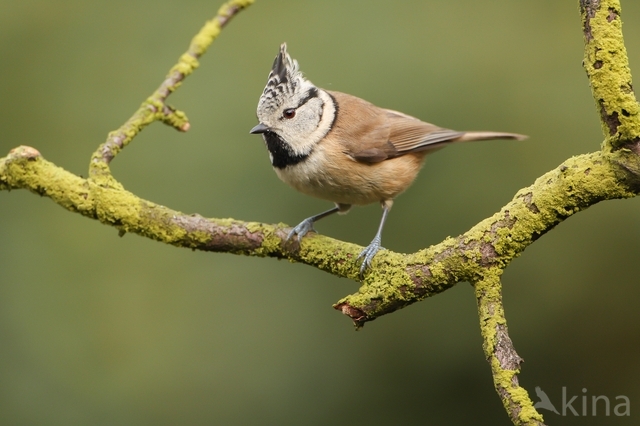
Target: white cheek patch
column 327, row 113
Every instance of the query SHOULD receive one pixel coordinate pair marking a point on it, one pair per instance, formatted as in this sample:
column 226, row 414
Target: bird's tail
column 484, row 136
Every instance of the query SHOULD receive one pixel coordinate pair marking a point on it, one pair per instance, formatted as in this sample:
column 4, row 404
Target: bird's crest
column 285, row 80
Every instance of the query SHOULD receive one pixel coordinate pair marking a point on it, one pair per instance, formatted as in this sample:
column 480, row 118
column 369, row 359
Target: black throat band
column 281, row 153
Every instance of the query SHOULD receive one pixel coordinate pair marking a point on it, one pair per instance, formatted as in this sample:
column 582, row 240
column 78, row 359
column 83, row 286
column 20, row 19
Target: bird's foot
column 368, row 253
column 302, row 228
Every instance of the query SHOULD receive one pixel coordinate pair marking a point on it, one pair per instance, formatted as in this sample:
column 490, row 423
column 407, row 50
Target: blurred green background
column 101, row 330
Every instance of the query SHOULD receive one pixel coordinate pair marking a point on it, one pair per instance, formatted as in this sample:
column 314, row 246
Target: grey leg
column 370, row 251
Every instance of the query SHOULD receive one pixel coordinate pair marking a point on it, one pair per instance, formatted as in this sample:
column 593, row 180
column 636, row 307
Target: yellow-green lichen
column 491, row 314
column 211, row 30
column 228, row 8
column 608, row 69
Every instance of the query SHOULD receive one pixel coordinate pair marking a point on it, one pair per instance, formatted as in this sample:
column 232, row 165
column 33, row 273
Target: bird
column 341, row 148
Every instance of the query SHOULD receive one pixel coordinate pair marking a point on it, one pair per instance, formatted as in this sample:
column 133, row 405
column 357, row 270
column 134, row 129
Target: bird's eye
column 289, row 113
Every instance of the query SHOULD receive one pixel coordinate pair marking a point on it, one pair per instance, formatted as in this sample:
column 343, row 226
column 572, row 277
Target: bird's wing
column 370, row 134
column 408, row 134
column 362, row 129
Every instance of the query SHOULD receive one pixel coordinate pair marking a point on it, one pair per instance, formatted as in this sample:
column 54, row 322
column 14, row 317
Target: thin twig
column 155, row 107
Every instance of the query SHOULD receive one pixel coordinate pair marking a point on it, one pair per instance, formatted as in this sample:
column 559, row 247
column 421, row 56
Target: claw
column 302, row 228
column 368, row 254
column 307, row 225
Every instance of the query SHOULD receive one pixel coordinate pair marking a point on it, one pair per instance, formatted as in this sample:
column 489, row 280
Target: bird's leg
column 370, row 251
column 307, row 225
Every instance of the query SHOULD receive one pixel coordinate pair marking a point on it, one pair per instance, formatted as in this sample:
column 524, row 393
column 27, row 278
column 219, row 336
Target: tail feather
column 483, row 136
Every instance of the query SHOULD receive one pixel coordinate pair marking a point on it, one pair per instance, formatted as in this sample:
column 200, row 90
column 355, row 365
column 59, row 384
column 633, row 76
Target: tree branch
column 396, row 280
column 607, row 67
column 502, row 356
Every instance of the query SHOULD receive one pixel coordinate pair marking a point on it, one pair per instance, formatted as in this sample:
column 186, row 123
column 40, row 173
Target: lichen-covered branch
column 396, row 280
column 607, row 66
column 499, row 351
column 25, row 168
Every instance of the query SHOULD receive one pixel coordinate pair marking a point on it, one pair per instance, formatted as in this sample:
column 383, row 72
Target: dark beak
column 260, row 128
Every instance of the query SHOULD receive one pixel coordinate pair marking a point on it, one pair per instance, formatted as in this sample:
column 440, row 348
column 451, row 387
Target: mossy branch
column 607, row 66
column 500, row 353
column 396, row 280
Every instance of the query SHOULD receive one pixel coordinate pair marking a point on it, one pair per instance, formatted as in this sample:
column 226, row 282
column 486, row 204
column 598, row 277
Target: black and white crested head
column 294, row 114
column 284, row 80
